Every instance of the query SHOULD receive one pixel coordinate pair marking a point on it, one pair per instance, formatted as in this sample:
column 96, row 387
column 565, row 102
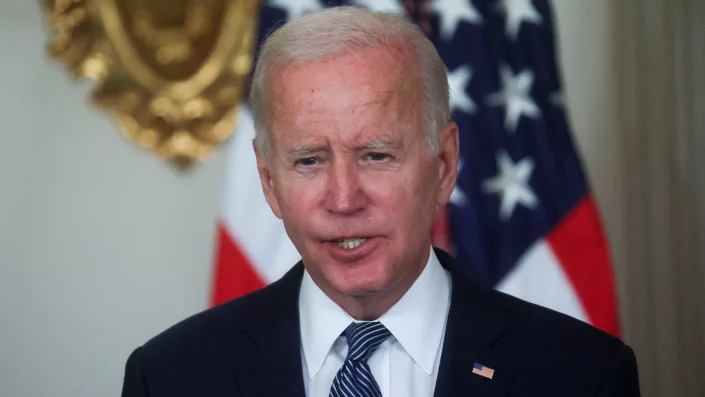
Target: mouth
column 352, row 248
column 350, row 243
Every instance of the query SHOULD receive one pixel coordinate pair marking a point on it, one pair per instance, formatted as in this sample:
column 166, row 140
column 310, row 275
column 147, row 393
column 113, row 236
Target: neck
column 370, row 307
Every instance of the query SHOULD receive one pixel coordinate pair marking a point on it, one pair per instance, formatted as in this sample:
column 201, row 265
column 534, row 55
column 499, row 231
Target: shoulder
column 549, row 327
column 578, row 355
column 235, row 321
column 530, row 337
column 201, row 352
column 518, row 317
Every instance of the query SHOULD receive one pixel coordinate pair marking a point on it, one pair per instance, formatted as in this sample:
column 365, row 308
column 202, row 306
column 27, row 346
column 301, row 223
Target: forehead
column 372, row 82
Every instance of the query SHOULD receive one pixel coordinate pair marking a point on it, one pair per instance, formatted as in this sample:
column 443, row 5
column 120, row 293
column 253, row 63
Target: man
column 356, row 153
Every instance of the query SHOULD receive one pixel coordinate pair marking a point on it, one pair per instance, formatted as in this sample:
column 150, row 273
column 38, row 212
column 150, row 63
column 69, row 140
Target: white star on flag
column 517, row 11
column 515, row 97
column 511, row 184
column 296, row 8
column 458, row 81
column 388, row 6
column 458, row 197
column 452, row 12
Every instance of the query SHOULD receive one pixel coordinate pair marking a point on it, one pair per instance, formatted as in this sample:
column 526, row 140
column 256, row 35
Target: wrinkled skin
column 349, row 158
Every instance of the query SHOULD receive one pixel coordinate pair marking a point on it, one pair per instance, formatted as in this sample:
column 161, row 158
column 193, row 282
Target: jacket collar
column 274, row 367
column 474, row 325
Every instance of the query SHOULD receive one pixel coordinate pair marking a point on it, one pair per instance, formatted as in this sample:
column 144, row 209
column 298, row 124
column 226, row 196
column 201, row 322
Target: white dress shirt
column 406, row 364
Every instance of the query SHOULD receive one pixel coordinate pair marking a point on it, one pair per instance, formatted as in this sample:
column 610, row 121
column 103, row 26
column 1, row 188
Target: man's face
column 351, row 173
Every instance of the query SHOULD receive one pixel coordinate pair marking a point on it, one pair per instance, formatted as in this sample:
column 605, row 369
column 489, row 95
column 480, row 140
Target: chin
column 359, row 285
column 366, row 277
column 359, row 290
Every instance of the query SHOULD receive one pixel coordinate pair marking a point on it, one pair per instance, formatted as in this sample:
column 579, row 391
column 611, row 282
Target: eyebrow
column 307, row 150
column 303, row 150
column 382, row 143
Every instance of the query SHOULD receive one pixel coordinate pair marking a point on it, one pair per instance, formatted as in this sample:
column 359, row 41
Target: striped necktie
column 355, row 378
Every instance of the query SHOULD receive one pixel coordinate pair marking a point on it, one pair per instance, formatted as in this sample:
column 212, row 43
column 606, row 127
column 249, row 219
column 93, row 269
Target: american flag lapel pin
column 481, row 370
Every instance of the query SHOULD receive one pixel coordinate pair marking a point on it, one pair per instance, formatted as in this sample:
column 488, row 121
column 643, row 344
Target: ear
column 448, row 152
column 265, row 178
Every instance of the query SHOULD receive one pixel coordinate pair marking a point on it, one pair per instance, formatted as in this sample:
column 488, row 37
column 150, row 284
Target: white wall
column 102, row 246
column 587, row 34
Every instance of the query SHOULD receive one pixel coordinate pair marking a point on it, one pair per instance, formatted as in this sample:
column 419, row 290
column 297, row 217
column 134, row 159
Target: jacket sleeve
column 134, row 384
column 621, row 378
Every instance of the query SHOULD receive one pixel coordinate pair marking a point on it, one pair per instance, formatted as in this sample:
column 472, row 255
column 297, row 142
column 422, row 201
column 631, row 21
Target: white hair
column 343, row 30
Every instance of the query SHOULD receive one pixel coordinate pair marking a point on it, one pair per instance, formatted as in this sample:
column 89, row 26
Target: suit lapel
column 273, row 367
column 471, row 330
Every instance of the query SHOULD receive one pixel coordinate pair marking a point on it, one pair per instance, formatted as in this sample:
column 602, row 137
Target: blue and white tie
column 354, row 379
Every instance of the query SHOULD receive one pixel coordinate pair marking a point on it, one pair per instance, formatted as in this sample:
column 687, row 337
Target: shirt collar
column 321, row 321
column 417, row 320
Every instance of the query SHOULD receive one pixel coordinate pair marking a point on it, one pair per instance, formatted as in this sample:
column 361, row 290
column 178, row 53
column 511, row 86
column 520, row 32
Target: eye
column 377, row 156
column 307, row 162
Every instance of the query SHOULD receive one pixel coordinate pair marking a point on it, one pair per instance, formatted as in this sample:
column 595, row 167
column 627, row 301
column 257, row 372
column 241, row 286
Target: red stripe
column 233, row 275
column 580, row 245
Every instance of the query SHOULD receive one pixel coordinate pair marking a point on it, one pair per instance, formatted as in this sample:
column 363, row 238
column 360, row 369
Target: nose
column 345, row 193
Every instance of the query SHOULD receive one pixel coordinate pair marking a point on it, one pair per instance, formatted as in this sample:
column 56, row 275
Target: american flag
column 481, row 370
column 521, row 218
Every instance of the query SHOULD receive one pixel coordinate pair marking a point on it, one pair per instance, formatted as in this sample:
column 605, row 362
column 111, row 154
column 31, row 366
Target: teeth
column 350, row 243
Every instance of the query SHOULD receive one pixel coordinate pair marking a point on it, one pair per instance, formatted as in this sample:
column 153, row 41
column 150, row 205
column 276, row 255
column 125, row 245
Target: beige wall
column 586, row 50
column 101, row 246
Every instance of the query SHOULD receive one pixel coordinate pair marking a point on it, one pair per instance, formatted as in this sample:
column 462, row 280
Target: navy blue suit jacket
column 251, row 347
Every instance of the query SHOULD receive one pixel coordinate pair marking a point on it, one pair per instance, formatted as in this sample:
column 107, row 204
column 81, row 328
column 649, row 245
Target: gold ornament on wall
column 171, row 72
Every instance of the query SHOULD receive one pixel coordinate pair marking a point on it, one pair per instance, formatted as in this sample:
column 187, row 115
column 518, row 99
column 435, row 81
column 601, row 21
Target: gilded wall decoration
column 171, row 72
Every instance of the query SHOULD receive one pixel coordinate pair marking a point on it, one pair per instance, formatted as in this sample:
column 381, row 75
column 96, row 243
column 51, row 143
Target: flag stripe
column 539, row 278
column 581, row 247
column 259, row 234
column 234, row 275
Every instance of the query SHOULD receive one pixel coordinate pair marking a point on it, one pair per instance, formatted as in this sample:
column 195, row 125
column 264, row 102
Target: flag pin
column 481, row 370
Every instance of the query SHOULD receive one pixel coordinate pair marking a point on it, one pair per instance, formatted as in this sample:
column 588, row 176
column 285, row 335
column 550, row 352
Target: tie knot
column 364, row 339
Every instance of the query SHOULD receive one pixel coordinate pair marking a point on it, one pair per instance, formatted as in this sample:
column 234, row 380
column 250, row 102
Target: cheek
column 296, row 211
column 395, row 200
column 384, row 190
column 409, row 205
column 297, row 196
column 403, row 190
